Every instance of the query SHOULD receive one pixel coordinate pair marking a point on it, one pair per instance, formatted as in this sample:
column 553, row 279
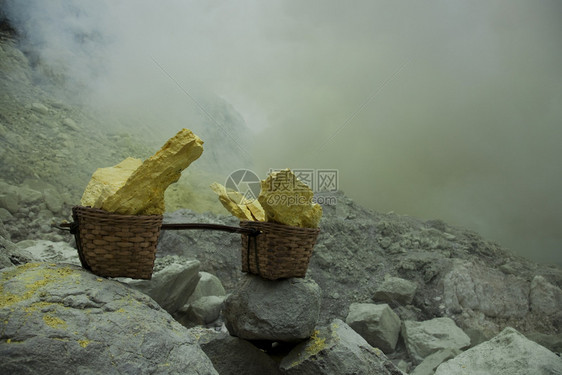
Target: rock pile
column 274, row 323
column 368, row 269
column 414, row 267
column 28, row 211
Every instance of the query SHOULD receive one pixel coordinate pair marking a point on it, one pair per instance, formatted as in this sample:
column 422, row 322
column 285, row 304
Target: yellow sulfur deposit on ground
column 287, row 200
column 130, row 190
column 245, row 210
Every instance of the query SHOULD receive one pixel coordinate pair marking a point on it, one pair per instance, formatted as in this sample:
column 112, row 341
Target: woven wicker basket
column 114, row 245
column 279, row 251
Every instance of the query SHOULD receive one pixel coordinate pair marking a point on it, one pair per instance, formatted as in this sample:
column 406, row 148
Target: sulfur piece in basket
column 287, row 200
column 106, row 181
column 140, row 191
column 237, row 205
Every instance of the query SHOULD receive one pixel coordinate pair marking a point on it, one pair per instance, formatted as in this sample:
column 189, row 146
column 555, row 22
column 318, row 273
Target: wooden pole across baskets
column 115, row 245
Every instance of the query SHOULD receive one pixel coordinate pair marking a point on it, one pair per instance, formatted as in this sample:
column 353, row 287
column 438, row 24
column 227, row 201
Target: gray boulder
column 173, row 281
column 5, row 215
column 53, row 200
column 205, row 303
column 334, row 350
column 396, row 291
column 205, row 310
column 275, row 310
column 9, row 200
column 28, row 196
column 425, row 338
column 234, row 356
column 552, row 342
column 208, row 285
column 545, row 298
column 470, row 286
column 509, row 353
column 377, row 324
column 61, row 319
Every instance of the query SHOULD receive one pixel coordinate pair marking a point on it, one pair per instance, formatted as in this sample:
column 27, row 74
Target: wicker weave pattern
column 116, row 245
column 279, row 251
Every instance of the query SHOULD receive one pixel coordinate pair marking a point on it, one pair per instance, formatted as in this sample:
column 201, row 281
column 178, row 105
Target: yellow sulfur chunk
column 256, row 209
column 245, row 210
column 106, row 181
column 287, row 200
column 142, row 192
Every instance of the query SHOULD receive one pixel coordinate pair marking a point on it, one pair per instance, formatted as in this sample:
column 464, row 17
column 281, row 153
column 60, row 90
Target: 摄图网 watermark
column 244, row 186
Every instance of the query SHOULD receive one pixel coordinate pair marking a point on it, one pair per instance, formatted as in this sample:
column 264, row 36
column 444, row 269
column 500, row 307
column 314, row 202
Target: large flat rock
column 509, row 353
column 61, row 319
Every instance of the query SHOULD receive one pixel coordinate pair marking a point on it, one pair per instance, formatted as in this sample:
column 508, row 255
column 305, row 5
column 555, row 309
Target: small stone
column 70, row 123
column 53, row 200
column 40, row 108
column 208, row 285
column 10, row 202
column 449, row 236
column 5, row 215
column 427, row 337
column 205, row 310
column 173, row 281
column 29, row 196
column 377, row 324
column 396, row 291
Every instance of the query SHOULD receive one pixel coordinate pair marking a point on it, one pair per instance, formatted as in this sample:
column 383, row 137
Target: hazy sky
column 436, row 109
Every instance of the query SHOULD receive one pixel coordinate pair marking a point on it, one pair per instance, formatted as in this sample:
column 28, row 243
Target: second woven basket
column 278, row 251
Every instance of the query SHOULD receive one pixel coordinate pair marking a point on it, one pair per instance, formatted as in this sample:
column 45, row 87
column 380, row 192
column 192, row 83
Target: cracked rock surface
column 60, row 319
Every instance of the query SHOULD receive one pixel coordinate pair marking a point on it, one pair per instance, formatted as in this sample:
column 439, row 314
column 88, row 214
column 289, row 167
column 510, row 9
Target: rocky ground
column 397, row 272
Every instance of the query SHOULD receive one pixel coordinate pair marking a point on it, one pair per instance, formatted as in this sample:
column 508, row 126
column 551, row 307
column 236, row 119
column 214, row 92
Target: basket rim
column 109, row 213
column 274, row 224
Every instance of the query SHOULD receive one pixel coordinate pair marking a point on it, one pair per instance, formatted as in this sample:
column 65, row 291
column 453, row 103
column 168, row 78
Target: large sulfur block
column 127, row 190
column 287, row 200
column 106, row 181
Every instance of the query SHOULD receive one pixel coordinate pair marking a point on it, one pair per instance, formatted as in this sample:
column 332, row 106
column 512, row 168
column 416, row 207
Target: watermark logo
column 243, row 186
column 327, row 179
column 318, row 180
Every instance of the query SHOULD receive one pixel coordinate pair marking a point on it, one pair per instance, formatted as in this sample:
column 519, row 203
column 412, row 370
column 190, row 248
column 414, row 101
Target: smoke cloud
column 436, row 109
